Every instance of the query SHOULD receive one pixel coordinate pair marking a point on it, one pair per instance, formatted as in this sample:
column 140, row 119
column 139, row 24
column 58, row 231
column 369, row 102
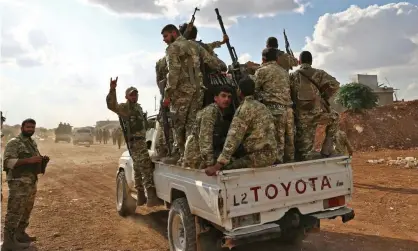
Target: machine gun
column 235, row 68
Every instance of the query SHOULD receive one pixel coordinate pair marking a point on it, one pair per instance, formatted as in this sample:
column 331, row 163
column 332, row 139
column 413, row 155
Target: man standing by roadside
column 131, row 112
column 22, row 162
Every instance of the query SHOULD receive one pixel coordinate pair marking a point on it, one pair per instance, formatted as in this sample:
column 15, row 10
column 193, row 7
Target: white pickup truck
column 241, row 206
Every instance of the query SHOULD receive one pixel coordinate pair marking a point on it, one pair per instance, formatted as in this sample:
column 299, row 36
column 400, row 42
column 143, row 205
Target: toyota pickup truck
column 280, row 202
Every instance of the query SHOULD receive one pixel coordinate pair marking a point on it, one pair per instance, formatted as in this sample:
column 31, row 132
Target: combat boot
column 23, row 237
column 171, row 160
column 141, row 199
column 152, row 200
column 10, row 243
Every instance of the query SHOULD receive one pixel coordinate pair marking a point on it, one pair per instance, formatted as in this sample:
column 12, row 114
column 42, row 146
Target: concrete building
column 384, row 93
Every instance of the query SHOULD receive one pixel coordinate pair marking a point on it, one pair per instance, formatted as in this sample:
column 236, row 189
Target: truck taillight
column 334, row 202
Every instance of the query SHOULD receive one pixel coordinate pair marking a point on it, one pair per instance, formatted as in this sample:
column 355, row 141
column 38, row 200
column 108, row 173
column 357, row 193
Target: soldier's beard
column 27, row 134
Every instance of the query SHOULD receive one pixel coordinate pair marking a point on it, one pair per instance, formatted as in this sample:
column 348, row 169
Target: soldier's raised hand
column 113, row 83
column 225, row 39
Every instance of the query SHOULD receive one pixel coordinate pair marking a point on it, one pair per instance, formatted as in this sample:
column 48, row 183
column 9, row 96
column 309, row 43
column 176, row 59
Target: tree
column 356, row 97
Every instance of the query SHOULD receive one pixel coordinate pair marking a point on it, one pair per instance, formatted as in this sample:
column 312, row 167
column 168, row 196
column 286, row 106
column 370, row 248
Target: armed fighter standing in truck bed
column 131, row 113
column 184, row 81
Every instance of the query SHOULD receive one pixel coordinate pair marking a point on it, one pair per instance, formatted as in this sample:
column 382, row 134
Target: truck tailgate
column 272, row 191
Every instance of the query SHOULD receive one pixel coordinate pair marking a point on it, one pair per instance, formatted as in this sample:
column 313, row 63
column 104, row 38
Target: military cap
column 130, row 90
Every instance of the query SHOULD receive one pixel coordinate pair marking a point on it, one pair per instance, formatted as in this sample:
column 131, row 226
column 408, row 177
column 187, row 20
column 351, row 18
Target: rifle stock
column 125, row 134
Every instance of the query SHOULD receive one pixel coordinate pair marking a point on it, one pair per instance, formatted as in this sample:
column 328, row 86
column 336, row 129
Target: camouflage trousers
column 160, row 144
column 253, row 160
column 22, row 193
column 192, row 155
column 284, row 123
column 306, row 125
column 184, row 107
column 143, row 167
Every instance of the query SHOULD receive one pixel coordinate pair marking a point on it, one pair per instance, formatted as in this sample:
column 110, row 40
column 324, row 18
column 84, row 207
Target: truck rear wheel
column 181, row 227
column 125, row 204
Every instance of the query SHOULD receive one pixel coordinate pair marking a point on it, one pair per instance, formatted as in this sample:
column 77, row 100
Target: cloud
column 230, row 10
column 379, row 40
column 244, row 58
column 22, row 43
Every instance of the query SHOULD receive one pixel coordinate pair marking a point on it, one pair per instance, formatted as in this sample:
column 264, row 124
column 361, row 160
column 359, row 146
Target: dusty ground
column 75, row 207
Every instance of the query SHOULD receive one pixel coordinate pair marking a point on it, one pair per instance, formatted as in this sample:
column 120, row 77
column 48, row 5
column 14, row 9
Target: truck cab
column 280, row 202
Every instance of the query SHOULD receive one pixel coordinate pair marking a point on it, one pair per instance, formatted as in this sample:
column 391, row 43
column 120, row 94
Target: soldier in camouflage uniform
column 161, row 147
column 285, row 60
column 205, row 143
column 131, row 112
column 184, row 82
column 342, row 145
column 253, row 126
column 21, row 159
column 119, row 136
column 309, row 88
column 273, row 90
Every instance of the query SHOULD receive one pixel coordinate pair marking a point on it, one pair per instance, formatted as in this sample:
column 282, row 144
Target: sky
column 57, row 57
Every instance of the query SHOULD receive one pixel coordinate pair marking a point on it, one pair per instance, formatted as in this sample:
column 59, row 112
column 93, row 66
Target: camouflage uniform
column 133, row 115
column 309, row 110
column 161, row 147
column 273, row 88
column 184, row 82
column 341, row 144
column 199, row 151
column 22, row 184
column 253, row 126
column 287, row 61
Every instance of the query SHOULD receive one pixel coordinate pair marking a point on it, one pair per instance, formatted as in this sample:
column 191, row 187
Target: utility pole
column 155, row 103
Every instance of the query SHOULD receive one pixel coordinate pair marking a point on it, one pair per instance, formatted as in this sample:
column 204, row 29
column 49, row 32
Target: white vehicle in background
column 237, row 207
column 83, row 135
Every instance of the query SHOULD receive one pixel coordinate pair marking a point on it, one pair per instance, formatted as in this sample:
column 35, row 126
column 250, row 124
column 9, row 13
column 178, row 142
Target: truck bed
column 260, row 195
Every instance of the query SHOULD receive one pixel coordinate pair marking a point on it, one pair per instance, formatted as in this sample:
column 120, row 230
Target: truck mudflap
column 271, row 231
column 346, row 214
column 252, row 234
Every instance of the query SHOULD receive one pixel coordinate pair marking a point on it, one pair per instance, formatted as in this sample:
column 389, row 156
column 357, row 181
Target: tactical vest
column 220, row 131
column 135, row 121
column 306, row 93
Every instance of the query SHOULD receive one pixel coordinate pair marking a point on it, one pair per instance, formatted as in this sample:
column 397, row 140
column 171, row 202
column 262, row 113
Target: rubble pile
column 392, row 126
column 408, row 162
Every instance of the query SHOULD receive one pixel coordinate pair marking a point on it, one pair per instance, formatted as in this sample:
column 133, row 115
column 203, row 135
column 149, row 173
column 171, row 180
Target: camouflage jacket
column 305, row 95
column 341, row 143
column 252, row 126
column 286, row 61
column 204, row 131
column 161, row 69
column 130, row 113
column 17, row 148
column 272, row 84
column 182, row 55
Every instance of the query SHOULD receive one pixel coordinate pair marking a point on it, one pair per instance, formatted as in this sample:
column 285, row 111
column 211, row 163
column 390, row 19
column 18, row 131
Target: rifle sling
column 316, row 85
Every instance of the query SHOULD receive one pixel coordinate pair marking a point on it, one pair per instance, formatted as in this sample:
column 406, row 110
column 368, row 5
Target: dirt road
column 75, row 208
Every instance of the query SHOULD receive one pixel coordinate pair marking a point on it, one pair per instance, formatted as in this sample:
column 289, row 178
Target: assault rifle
column 190, row 25
column 235, row 68
column 287, row 45
column 164, row 114
column 125, row 133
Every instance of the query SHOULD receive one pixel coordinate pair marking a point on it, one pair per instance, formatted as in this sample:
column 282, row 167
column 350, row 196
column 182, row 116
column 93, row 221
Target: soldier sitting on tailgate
column 253, row 126
column 208, row 136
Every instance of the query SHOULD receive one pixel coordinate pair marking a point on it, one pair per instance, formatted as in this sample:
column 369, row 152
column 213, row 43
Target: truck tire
column 181, row 227
column 125, row 204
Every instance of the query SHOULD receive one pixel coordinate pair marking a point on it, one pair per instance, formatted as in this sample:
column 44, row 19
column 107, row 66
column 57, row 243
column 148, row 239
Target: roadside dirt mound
column 392, row 126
